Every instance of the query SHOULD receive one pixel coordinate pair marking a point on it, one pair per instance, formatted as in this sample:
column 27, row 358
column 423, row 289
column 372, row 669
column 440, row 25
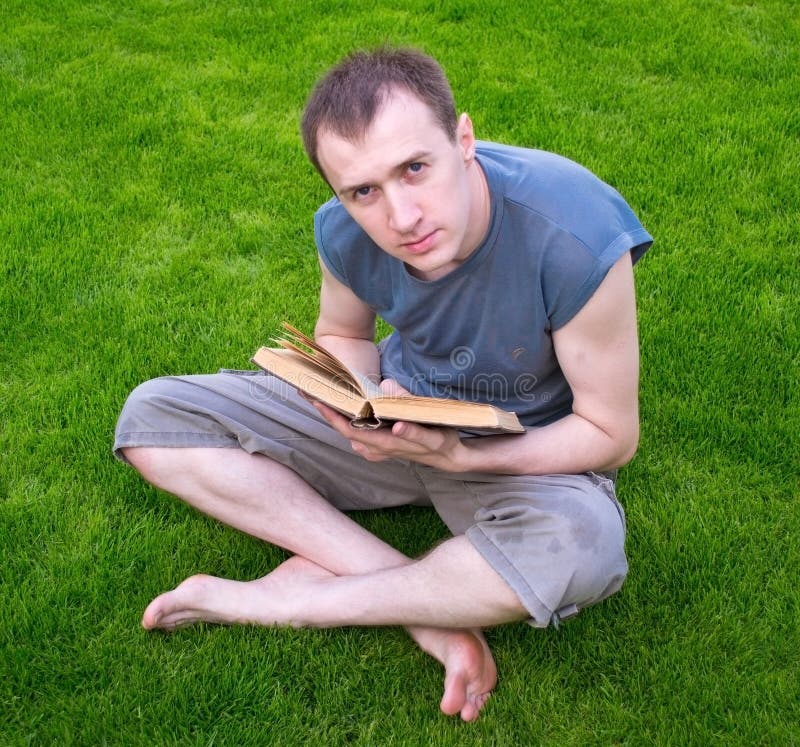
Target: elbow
column 627, row 444
column 627, row 456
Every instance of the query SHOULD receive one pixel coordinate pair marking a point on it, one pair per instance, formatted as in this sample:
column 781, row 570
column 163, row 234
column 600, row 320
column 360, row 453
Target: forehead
column 403, row 128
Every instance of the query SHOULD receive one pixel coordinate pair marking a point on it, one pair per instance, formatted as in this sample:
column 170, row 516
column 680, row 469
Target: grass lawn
column 155, row 218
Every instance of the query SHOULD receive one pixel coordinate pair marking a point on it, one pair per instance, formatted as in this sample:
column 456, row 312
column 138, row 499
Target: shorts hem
column 160, row 440
column 541, row 614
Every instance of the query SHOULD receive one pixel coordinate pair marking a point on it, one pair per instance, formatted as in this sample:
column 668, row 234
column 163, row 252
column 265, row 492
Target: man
column 507, row 275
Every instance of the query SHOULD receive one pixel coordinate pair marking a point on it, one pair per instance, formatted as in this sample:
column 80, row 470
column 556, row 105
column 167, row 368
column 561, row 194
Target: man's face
column 419, row 196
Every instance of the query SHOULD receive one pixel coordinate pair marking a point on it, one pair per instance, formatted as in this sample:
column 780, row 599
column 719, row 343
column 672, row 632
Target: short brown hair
column 347, row 98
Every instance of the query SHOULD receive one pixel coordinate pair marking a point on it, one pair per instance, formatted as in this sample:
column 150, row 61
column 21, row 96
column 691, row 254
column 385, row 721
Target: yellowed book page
column 446, row 412
column 305, row 374
column 305, row 345
column 316, row 350
column 325, row 363
column 298, row 341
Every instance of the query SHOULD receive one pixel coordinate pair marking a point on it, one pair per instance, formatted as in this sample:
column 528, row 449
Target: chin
column 433, row 269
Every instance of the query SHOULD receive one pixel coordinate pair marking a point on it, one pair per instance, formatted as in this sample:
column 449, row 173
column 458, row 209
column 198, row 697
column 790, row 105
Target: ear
column 465, row 138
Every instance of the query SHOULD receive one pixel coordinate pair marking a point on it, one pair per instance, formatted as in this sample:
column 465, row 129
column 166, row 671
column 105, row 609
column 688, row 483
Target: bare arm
column 598, row 352
column 346, row 327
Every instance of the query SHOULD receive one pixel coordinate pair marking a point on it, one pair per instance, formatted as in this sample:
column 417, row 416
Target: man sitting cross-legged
column 507, row 276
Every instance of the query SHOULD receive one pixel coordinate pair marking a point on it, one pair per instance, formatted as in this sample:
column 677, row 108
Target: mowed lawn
column 156, row 218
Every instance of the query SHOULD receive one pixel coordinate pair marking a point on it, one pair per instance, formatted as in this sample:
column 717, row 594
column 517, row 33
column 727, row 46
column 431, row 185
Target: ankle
column 438, row 642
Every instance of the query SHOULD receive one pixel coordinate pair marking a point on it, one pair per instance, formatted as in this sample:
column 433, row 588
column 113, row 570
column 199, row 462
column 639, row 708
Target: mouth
column 421, row 245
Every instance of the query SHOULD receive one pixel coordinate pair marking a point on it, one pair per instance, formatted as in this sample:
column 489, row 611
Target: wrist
column 494, row 454
column 465, row 457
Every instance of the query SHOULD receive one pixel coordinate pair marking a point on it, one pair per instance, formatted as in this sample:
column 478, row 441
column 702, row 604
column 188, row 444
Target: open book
column 312, row 369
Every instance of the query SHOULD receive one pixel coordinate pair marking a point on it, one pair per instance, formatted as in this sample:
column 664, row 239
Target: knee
column 141, row 414
column 148, row 461
column 143, row 399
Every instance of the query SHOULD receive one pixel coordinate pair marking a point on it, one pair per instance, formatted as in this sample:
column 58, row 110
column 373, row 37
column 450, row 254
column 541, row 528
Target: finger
column 335, row 419
column 366, row 453
column 417, row 434
column 368, row 449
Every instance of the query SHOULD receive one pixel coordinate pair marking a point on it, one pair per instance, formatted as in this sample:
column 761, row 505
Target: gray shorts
column 557, row 540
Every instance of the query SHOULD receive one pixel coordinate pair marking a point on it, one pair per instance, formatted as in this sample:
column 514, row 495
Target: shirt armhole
column 637, row 242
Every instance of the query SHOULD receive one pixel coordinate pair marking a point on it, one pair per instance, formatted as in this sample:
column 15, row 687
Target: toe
column 454, row 698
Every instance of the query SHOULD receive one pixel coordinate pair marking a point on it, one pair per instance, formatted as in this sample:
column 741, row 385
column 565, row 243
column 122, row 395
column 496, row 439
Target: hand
column 437, row 447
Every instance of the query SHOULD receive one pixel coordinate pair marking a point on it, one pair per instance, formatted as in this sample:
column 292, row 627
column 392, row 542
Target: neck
column 481, row 208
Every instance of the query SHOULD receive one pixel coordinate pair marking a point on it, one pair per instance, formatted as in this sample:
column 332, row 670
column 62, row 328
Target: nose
column 404, row 213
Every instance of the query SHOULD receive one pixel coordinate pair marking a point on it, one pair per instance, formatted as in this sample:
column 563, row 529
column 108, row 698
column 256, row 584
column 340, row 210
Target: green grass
column 155, row 215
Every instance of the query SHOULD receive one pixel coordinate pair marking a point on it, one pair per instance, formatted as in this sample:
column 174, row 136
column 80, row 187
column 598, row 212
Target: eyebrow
column 416, row 156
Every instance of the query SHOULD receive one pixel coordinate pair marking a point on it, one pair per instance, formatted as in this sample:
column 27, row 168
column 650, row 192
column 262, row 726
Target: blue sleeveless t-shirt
column 482, row 332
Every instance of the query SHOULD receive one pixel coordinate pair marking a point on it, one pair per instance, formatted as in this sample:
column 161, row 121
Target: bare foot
column 204, row 598
column 470, row 671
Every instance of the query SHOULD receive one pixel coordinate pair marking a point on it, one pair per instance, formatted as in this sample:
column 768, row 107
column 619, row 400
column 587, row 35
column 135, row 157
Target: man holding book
column 507, row 276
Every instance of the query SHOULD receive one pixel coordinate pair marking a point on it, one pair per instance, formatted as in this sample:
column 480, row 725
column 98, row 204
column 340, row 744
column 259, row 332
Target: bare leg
column 279, row 599
column 302, row 594
column 269, row 501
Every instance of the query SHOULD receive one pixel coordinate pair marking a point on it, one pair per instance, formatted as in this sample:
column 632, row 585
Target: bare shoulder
column 609, row 313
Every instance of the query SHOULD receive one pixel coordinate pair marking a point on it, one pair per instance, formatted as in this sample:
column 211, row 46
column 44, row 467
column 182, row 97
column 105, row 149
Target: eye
column 361, row 193
column 416, row 167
